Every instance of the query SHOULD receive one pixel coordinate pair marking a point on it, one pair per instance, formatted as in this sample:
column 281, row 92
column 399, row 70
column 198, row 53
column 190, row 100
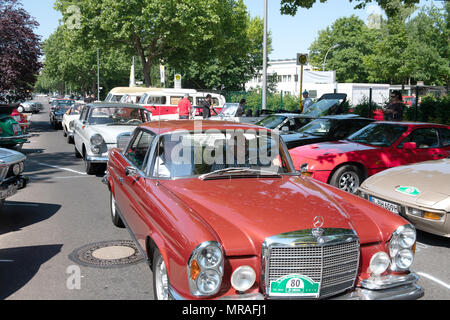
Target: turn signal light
column 432, row 216
column 195, row 270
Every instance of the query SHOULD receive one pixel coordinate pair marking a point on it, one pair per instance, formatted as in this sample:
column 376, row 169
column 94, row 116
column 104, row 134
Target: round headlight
column 407, row 237
column 208, row 282
column 379, row 263
column 97, row 140
column 404, row 259
column 22, row 167
column 243, row 278
column 210, row 257
column 16, row 169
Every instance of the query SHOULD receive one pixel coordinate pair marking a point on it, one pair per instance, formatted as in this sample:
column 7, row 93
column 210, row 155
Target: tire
column 77, row 154
column 347, row 178
column 69, row 139
column 64, row 131
column 116, row 220
column 161, row 283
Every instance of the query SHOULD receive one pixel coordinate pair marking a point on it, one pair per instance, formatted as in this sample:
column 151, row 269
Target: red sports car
column 347, row 163
column 220, row 213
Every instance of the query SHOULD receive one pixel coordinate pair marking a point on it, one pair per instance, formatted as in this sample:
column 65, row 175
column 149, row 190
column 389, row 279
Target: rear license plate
column 392, row 207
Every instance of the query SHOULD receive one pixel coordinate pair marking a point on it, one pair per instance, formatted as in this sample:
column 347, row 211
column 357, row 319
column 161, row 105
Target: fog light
column 95, row 150
column 243, row 278
column 379, row 263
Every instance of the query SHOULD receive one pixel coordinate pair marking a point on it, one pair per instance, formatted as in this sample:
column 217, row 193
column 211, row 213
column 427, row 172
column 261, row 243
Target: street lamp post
column 325, row 60
column 264, row 84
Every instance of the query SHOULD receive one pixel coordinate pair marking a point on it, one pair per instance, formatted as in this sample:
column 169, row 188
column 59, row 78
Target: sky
column 290, row 35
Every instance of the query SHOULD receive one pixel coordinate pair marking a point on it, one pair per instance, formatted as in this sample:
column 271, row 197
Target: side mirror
column 131, row 171
column 20, row 109
column 409, row 146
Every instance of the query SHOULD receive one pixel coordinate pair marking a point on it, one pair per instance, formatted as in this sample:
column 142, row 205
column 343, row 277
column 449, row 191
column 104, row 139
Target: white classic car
column 68, row 122
column 103, row 126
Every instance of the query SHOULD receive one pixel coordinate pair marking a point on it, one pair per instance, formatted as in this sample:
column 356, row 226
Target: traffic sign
column 302, row 59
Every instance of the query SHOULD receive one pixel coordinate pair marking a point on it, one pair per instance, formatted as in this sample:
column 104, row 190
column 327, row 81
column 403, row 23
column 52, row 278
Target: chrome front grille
column 331, row 260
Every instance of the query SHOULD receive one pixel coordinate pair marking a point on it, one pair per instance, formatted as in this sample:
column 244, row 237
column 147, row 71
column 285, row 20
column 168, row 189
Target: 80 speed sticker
column 295, row 285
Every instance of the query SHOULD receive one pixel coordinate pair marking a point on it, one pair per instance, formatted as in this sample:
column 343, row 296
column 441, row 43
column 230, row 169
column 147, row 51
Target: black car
column 57, row 114
column 328, row 128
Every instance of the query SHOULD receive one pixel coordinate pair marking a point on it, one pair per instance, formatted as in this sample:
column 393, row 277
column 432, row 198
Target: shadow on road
column 41, row 127
column 432, row 240
column 16, row 215
column 19, row 265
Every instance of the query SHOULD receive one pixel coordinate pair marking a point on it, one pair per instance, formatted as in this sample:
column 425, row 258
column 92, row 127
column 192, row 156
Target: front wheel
column 116, row 220
column 347, row 178
column 161, row 282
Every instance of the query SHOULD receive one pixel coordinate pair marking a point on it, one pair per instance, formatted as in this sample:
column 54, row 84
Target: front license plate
column 295, row 285
column 16, row 128
column 12, row 190
column 386, row 205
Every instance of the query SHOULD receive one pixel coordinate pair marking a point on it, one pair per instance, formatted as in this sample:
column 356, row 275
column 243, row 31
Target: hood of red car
column 244, row 212
column 313, row 151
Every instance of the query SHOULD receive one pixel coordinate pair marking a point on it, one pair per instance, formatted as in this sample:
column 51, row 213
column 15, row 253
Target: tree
column 164, row 30
column 290, row 7
column 19, row 52
column 354, row 41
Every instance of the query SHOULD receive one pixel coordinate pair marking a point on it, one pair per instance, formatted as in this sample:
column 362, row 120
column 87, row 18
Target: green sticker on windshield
column 295, row 285
column 410, row 191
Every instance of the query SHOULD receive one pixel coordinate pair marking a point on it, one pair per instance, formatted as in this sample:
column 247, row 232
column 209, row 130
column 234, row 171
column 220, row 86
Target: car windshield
column 379, row 134
column 271, row 122
column 116, row 116
column 322, row 108
column 217, row 154
column 229, row 109
column 61, row 108
column 318, row 127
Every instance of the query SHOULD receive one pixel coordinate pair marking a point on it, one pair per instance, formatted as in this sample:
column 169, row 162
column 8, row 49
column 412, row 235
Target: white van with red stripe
column 163, row 102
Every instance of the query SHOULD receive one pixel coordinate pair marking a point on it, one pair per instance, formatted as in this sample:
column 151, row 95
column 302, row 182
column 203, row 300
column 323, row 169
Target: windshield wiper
column 234, row 170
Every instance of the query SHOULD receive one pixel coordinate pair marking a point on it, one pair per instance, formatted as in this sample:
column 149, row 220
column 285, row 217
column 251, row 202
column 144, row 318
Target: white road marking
column 442, row 283
column 60, row 168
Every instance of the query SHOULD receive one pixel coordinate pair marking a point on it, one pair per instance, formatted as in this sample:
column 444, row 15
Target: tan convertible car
column 418, row 192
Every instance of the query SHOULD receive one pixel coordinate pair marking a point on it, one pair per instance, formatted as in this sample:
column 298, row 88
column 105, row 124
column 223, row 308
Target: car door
column 80, row 128
column 444, row 139
column 427, row 145
column 131, row 179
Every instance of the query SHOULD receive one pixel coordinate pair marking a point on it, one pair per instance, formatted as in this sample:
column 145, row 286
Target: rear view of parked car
column 11, row 170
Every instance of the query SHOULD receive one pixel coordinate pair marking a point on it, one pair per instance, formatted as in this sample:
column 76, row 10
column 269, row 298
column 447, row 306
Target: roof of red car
column 165, row 126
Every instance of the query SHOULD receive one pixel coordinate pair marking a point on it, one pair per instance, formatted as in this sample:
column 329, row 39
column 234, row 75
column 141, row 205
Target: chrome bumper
column 24, row 136
column 408, row 290
column 97, row 159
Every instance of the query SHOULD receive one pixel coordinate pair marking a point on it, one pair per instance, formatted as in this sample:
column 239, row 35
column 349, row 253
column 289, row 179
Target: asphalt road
column 62, row 209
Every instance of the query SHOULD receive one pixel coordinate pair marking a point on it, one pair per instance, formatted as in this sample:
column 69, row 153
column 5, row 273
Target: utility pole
column 264, row 84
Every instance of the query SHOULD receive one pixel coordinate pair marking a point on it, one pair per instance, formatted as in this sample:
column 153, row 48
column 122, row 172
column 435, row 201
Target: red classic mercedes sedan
column 345, row 164
column 219, row 212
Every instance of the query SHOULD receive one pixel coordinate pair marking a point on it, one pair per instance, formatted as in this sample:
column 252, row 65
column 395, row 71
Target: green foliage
column 290, row 7
column 431, row 109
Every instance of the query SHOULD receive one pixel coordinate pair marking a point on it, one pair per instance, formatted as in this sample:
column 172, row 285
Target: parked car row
column 241, row 211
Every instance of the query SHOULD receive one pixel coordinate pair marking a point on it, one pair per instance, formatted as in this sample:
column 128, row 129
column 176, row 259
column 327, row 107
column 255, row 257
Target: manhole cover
column 109, row 254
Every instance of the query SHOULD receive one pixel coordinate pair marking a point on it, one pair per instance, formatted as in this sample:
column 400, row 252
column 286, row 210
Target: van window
column 175, row 100
column 215, row 101
column 152, row 100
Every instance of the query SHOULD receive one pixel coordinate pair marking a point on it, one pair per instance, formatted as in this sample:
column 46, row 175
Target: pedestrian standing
column 207, row 107
column 394, row 110
column 241, row 108
column 307, row 101
column 184, row 108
